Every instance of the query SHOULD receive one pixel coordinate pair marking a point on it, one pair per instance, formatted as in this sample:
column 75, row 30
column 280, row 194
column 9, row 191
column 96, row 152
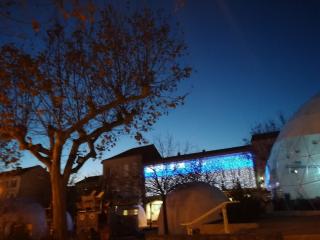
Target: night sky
column 252, row 60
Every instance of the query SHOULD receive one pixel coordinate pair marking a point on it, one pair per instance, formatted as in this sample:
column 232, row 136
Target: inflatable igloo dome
column 293, row 168
column 22, row 212
column 188, row 202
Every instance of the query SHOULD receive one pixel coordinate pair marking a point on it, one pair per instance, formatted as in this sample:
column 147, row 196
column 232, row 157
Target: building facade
column 223, row 168
column 31, row 183
column 123, row 175
column 89, row 184
column 261, row 145
column 129, row 175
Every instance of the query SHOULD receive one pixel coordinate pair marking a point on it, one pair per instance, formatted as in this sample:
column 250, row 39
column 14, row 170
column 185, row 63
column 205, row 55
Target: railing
column 222, row 207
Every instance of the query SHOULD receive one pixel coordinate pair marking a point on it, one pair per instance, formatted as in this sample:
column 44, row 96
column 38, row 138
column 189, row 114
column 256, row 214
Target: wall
column 35, row 184
column 124, row 180
column 9, row 186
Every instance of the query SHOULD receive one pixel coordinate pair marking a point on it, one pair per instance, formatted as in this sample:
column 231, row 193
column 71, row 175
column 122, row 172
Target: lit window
column 153, row 210
column 130, row 212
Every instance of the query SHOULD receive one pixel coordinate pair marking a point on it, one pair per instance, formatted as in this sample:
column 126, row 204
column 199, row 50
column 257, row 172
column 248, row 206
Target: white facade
column 293, row 168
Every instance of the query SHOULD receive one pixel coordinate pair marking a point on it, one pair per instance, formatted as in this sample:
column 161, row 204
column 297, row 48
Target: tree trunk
column 165, row 216
column 58, row 189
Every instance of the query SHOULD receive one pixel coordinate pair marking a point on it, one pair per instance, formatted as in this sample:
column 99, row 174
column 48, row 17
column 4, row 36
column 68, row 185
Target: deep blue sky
column 253, row 59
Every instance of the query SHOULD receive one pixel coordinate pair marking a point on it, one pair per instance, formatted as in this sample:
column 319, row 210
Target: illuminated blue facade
column 228, row 169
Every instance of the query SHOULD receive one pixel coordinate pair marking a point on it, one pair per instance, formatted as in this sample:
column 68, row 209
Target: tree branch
column 82, row 159
column 90, row 139
column 97, row 111
column 36, row 150
column 71, row 159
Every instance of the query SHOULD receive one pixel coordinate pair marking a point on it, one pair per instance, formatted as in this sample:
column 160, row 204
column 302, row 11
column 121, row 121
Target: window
column 126, row 170
column 13, row 183
column 130, row 212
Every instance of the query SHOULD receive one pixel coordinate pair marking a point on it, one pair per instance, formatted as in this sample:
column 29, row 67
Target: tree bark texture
column 58, row 188
column 58, row 205
column 165, row 217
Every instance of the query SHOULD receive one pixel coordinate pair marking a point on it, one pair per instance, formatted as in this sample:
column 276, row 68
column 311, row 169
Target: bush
column 247, row 210
column 281, row 204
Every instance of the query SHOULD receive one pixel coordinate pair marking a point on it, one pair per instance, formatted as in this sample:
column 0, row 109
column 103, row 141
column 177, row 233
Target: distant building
column 261, row 145
column 123, row 175
column 28, row 183
column 126, row 174
column 82, row 188
column 89, row 184
column 230, row 166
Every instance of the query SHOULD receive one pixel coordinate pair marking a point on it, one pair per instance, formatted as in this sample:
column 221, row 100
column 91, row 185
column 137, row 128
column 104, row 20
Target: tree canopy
column 85, row 85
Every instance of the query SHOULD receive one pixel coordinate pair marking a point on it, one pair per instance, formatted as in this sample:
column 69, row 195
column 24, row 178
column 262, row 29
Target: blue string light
column 237, row 161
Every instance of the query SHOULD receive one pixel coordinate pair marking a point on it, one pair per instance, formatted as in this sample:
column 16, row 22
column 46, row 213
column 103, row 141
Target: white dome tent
column 188, row 202
column 293, row 168
column 25, row 212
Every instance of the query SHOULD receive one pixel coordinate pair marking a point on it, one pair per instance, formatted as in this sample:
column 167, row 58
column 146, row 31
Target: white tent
column 189, row 202
column 23, row 212
column 293, row 167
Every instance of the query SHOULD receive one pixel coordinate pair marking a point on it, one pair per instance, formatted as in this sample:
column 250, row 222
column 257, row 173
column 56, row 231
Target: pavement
column 290, row 225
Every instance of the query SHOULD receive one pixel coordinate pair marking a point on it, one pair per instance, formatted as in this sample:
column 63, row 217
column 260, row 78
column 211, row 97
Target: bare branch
column 36, row 150
column 88, row 84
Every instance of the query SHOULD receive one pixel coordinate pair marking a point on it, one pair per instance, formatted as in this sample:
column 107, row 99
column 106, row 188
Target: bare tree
column 21, row 19
column 84, row 87
column 197, row 173
column 162, row 180
column 271, row 125
column 168, row 146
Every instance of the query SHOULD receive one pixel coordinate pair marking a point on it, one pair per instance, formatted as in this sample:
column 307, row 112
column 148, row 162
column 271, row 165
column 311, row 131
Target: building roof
column 147, row 152
column 264, row 136
column 151, row 155
column 203, row 154
column 90, row 179
column 19, row 171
